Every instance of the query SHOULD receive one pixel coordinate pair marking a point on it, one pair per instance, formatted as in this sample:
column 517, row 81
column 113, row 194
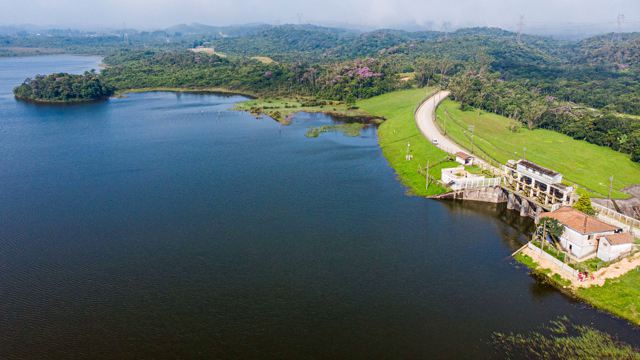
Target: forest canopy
column 63, row 87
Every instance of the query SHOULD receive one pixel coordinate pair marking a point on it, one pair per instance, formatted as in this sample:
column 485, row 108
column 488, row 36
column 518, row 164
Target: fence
column 610, row 214
column 562, row 266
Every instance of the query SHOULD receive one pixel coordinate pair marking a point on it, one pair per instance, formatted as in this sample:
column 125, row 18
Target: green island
column 64, row 88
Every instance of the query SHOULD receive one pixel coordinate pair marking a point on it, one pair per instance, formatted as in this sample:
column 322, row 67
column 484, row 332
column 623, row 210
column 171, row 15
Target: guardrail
column 622, row 218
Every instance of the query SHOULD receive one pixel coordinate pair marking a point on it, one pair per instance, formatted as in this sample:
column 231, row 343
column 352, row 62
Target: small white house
column 464, row 158
column 581, row 232
column 611, row 247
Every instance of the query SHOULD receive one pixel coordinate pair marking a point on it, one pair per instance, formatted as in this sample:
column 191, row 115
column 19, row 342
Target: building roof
column 619, row 239
column 578, row 221
column 535, row 167
column 463, row 155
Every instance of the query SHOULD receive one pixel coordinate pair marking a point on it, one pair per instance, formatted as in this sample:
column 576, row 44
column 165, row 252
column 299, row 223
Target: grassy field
column 264, row 59
column 619, row 296
column 399, row 130
column 587, row 165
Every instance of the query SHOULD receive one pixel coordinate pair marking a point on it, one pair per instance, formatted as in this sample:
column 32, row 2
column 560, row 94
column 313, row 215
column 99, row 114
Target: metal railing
column 474, row 184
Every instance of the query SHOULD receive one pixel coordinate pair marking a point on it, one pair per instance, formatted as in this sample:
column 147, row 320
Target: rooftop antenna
column 520, row 27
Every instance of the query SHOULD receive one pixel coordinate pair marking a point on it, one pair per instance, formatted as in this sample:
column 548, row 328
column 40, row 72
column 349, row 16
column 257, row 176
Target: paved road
column 426, row 121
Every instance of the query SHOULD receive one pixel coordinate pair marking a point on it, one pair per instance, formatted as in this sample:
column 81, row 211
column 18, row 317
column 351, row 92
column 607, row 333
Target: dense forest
column 64, row 87
column 588, row 89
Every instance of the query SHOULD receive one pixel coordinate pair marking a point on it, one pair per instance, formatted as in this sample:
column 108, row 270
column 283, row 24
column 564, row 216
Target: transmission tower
column 446, row 27
column 620, row 21
column 520, row 27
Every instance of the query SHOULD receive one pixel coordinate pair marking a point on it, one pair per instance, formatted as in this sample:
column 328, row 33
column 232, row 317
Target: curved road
column 426, row 121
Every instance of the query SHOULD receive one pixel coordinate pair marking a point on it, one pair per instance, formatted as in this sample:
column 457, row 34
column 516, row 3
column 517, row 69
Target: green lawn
column 399, row 130
column 619, row 296
column 582, row 163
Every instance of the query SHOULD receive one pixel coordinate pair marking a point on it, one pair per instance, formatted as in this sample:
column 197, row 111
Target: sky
column 154, row 14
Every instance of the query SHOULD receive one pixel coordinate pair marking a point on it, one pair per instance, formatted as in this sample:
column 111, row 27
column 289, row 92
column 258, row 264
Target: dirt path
column 611, row 272
column 614, row 270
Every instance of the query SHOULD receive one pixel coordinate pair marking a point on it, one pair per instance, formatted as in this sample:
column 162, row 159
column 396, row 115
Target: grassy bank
column 546, row 274
column 620, row 296
column 586, row 164
column 282, row 109
column 400, row 129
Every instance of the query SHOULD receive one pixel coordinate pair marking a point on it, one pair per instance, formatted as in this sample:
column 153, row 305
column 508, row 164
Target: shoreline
column 220, row 91
column 545, row 272
column 60, row 102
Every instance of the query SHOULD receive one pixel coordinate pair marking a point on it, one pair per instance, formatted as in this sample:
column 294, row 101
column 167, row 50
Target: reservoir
column 163, row 225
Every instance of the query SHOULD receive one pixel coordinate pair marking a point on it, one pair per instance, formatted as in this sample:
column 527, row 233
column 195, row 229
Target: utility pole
column 427, row 176
column 446, row 115
column 610, row 186
column 544, row 235
column 472, row 129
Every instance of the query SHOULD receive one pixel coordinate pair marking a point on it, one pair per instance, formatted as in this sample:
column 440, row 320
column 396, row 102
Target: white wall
column 577, row 244
column 608, row 252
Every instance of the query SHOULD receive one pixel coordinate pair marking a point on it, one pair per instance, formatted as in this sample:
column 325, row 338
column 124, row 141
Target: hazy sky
column 373, row 13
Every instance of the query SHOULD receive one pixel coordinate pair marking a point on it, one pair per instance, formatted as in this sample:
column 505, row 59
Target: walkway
column 426, row 121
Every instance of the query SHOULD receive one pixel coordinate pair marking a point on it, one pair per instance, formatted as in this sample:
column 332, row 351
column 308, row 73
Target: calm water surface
column 166, row 225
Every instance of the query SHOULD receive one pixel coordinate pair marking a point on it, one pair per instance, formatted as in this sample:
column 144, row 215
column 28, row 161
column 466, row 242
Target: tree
column 635, row 156
column 584, row 204
column 533, row 112
column 552, row 228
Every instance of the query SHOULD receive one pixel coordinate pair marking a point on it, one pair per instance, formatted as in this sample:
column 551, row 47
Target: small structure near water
column 459, row 178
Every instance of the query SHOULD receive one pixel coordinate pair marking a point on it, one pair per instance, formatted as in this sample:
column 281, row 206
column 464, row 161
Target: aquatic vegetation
column 563, row 340
column 350, row 129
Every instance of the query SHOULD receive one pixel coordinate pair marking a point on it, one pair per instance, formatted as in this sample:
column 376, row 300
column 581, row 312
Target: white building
column 464, row 158
column 613, row 246
column 585, row 236
column 538, row 183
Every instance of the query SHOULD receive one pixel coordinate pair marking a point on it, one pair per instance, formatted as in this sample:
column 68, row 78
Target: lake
column 164, row 225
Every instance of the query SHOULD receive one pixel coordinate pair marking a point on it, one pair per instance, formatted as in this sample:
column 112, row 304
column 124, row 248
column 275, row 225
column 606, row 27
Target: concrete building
column 464, row 158
column 585, row 236
column 611, row 247
column 538, row 183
